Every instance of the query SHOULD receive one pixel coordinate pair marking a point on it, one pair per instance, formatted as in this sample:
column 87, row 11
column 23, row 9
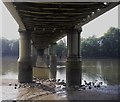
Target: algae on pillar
column 73, row 67
column 53, row 61
column 24, row 61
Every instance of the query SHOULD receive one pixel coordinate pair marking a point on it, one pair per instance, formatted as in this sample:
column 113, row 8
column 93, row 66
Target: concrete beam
column 64, row 0
column 9, row 5
column 97, row 14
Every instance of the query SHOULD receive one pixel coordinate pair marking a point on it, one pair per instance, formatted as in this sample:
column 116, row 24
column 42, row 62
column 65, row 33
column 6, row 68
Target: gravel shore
column 13, row 90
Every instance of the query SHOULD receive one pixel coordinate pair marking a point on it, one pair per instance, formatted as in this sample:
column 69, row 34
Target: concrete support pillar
column 33, row 55
column 53, row 61
column 47, row 56
column 24, row 61
column 73, row 71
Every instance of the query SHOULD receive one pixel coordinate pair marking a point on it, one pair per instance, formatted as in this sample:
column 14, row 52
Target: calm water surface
column 105, row 70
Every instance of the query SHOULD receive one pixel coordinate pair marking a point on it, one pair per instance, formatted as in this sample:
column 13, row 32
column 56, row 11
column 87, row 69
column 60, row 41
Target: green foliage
column 61, row 49
column 90, row 46
column 107, row 46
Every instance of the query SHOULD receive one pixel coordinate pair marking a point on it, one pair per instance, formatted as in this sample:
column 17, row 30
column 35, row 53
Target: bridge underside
column 46, row 22
column 49, row 21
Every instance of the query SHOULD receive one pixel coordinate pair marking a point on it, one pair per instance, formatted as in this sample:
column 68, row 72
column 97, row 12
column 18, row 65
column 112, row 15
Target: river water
column 105, row 70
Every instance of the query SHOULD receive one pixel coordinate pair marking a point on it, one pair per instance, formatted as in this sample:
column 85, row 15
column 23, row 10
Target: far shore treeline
column 107, row 46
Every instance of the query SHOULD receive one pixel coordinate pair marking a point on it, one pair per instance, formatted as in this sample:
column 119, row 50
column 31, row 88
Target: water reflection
column 103, row 69
column 9, row 68
column 92, row 69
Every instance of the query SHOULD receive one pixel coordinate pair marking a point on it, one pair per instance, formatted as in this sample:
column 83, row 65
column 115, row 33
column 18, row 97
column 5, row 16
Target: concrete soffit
column 97, row 14
column 60, row 0
column 14, row 13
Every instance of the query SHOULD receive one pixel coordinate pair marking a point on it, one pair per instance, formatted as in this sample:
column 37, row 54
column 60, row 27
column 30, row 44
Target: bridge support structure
column 53, row 61
column 73, row 64
column 24, row 61
column 47, row 57
column 34, row 55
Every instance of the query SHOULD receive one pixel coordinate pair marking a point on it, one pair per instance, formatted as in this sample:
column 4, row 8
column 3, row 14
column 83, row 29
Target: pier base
column 73, row 67
column 24, row 61
column 53, row 61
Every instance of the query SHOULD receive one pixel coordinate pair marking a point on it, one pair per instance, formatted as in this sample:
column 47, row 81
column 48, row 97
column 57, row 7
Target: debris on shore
column 53, row 85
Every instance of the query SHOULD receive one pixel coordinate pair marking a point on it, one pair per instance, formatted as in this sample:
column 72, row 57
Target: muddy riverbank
column 13, row 90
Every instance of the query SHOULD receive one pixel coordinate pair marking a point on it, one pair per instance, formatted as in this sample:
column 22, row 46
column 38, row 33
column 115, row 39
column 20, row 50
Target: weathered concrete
column 47, row 56
column 53, row 61
column 73, row 71
column 34, row 55
column 24, row 61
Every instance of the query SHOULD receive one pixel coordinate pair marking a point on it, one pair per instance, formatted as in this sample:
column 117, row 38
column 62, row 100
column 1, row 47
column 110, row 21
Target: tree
column 111, row 43
column 107, row 46
column 90, row 47
column 61, row 49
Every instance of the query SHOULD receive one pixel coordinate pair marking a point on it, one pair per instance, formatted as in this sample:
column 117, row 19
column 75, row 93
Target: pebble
column 93, row 83
column 58, row 86
column 19, row 86
column 63, row 87
column 15, row 84
column 89, row 87
column 64, row 84
column 37, row 82
column 96, row 81
column 95, row 86
column 79, row 89
column 89, row 83
column 10, row 84
column 83, row 88
column 58, row 80
column 98, row 85
column 34, row 81
column 53, row 80
column 82, row 85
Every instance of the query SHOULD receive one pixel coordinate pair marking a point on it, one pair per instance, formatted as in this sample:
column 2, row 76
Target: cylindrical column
column 53, row 61
column 46, row 52
column 73, row 71
column 24, row 61
column 33, row 55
